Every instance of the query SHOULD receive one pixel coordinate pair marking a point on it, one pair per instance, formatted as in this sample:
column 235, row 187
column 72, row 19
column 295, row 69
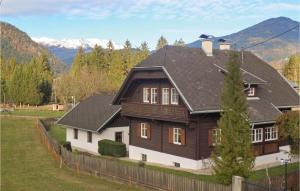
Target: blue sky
column 141, row 21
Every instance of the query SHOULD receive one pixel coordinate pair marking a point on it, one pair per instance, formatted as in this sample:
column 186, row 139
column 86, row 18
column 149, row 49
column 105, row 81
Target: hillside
column 17, row 44
column 274, row 51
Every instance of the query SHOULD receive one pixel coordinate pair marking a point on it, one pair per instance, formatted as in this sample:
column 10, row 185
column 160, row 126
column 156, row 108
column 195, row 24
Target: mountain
column 66, row 49
column 274, row 51
column 18, row 45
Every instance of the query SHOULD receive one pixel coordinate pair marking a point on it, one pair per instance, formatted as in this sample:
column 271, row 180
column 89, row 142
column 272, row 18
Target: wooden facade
column 160, row 118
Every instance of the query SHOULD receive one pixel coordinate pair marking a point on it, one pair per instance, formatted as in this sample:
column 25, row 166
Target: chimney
column 207, row 47
column 224, row 46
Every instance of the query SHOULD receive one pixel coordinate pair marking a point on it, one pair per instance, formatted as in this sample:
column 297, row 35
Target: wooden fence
column 131, row 174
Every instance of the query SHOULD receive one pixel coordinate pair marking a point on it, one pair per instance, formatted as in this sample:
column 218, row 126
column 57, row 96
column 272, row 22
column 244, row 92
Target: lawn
column 35, row 112
column 27, row 165
column 58, row 132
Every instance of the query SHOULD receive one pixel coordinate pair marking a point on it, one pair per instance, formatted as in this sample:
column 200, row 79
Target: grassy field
column 27, row 165
column 35, row 113
column 58, row 132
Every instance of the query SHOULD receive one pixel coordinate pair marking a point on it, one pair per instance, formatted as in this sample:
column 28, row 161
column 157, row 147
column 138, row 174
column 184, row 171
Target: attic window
column 251, row 92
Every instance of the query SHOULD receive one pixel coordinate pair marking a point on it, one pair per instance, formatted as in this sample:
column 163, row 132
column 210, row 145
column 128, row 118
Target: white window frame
column 216, row 136
column 154, row 95
column 251, row 91
column 177, row 136
column 146, row 95
column 165, row 96
column 144, row 130
column 174, row 96
column 257, row 135
column 271, row 133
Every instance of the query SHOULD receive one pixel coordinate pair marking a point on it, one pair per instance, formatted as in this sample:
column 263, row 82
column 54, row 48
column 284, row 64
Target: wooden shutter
column 170, row 135
column 148, row 131
column 138, row 130
column 210, row 137
column 182, row 132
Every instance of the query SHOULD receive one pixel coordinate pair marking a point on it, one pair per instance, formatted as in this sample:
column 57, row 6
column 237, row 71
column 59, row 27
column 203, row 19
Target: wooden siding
column 156, row 111
column 159, row 138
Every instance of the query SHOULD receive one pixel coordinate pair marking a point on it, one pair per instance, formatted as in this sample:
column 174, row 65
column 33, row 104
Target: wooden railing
column 155, row 111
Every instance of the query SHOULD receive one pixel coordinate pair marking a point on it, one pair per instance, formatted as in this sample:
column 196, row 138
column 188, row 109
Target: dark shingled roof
column 92, row 113
column 199, row 80
column 261, row 111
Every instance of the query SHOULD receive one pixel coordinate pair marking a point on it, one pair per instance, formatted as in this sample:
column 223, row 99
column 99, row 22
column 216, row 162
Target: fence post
column 237, row 183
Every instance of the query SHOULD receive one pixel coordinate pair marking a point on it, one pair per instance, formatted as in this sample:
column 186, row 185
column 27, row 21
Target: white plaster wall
column 163, row 158
column 167, row 159
column 82, row 144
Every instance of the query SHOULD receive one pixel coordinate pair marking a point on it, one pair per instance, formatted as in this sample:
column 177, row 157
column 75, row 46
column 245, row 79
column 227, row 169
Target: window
column 146, row 95
column 165, row 96
column 119, row 137
column 75, row 133
column 174, row 96
column 144, row 130
column 89, row 137
column 144, row 157
column 251, row 92
column 271, row 133
column 176, row 164
column 154, row 95
column 216, row 136
column 177, row 136
column 257, row 135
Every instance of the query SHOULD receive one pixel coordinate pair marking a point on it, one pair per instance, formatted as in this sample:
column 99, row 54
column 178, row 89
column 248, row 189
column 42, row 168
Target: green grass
column 27, row 165
column 274, row 171
column 35, row 113
column 58, row 132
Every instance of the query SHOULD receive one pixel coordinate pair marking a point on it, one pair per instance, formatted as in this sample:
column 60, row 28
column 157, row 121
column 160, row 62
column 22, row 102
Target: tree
column 233, row 154
column 127, row 57
column 143, row 51
column 292, row 69
column 78, row 62
column 288, row 125
column 162, row 41
column 179, row 42
column 98, row 58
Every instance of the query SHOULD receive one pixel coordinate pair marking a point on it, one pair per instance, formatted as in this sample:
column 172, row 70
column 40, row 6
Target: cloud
column 155, row 9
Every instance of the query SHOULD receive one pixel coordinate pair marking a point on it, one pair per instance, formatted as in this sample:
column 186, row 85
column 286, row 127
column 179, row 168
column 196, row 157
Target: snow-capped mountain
column 65, row 49
column 74, row 43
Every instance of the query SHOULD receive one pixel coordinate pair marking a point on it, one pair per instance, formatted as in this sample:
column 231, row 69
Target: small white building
column 92, row 120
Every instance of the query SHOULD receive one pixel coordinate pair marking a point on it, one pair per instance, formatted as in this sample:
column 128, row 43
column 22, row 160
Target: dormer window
column 251, row 92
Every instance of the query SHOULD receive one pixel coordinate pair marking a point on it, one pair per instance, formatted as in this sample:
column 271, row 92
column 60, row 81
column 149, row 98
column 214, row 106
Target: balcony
column 155, row 111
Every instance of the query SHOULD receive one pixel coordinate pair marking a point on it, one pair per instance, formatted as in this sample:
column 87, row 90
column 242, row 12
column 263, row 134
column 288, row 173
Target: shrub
column 141, row 164
column 67, row 145
column 111, row 148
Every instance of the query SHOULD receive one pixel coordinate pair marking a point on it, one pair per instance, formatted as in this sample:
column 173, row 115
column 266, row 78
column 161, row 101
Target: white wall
column 82, row 144
column 168, row 159
column 165, row 159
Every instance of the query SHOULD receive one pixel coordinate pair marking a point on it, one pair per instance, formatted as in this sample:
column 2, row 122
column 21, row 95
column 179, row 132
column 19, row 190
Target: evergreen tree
column 98, row 58
column 78, row 62
column 127, row 57
column 235, row 147
column 179, row 42
column 110, row 54
column 162, row 41
column 292, row 69
column 144, row 51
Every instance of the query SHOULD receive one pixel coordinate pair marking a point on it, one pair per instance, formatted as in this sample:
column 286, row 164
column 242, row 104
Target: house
column 172, row 102
column 92, row 120
column 57, row 107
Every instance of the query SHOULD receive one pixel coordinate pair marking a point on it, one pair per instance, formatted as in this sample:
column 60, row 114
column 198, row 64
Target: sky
column 139, row 21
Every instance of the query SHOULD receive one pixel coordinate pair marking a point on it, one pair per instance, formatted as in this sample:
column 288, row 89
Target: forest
column 101, row 70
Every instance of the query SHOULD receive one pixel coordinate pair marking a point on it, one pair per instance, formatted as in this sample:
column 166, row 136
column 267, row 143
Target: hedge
column 111, row 148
